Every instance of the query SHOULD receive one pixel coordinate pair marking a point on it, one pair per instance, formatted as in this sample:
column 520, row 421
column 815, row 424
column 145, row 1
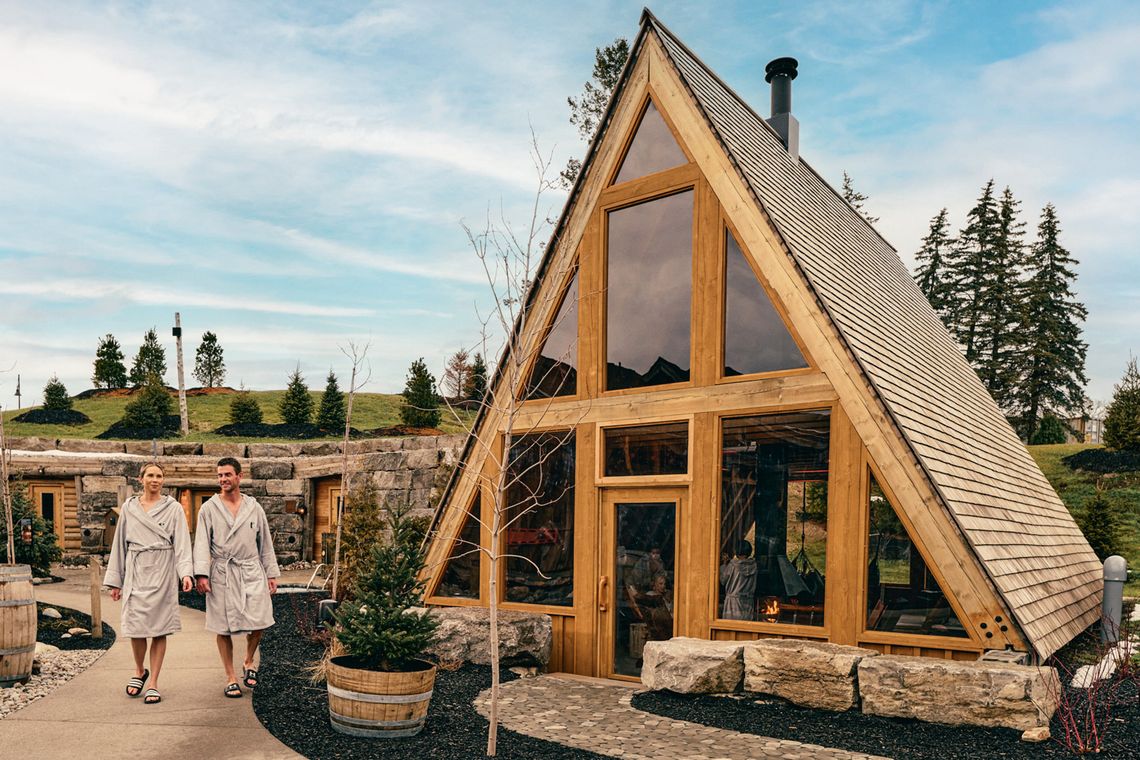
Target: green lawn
column 370, row 410
column 1076, row 488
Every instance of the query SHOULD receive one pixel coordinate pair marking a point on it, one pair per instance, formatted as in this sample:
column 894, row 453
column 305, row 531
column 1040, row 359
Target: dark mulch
column 891, row 737
column 296, row 711
column 282, row 430
column 171, row 428
column 53, row 417
column 50, row 630
column 193, row 600
column 1104, row 461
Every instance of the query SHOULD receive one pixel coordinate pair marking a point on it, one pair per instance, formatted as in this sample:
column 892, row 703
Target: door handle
column 602, row 583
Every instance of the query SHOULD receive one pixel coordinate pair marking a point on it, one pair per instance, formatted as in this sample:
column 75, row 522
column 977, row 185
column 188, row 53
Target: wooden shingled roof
column 1010, row 517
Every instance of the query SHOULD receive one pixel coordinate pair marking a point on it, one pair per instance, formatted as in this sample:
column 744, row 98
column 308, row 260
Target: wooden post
column 181, row 381
column 6, row 493
column 96, row 597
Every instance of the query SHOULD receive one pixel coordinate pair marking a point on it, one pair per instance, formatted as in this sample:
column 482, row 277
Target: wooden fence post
column 96, row 597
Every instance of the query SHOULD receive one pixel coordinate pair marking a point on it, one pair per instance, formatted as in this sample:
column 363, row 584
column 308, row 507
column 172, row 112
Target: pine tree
column 363, row 526
column 1100, row 527
column 931, row 272
column 209, row 366
column 587, row 110
column 1051, row 430
column 999, row 321
column 1052, row 361
column 110, row 371
column 421, row 403
column 244, row 409
column 331, row 415
column 973, row 250
column 150, row 360
column 44, row 549
column 856, row 199
column 149, row 410
column 1122, row 418
column 296, row 405
column 456, row 373
column 55, row 395
column 476, row 379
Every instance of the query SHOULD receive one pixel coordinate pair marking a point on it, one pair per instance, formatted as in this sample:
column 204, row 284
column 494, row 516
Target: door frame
column 36, row 492
column 606, row 605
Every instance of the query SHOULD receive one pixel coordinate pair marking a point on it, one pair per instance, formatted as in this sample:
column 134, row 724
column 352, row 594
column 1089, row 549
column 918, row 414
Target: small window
column 647, row 450
column 902, row 595
column 461, row 575
column 555, row 371
column 652, row 150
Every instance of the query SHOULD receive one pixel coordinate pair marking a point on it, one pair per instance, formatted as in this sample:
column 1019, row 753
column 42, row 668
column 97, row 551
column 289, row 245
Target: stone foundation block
column 219, row 450
column 385, row 460
column 273, row 450
column 31, row 443
column 959, row 693
column 422, row 459
column 292, row 487
column 271, row 470
column 146, row 449
column 393, row 479
column 464, row 636
column 105, row 483
column 319, row 448
column 693, row 666
column 181, row 449
column 808, row 673
column 91, row 447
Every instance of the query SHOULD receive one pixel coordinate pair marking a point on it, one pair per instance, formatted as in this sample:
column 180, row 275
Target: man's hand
column 203, row 584
column 272, row 585
column 187, row 583
column 116, row 593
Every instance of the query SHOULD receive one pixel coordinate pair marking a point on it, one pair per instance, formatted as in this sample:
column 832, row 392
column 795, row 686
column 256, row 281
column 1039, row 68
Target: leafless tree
column 456, row 374
column 358, row 355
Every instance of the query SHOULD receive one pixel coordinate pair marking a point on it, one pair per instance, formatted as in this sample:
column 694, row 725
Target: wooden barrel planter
column 375, row 704
column 17, row 624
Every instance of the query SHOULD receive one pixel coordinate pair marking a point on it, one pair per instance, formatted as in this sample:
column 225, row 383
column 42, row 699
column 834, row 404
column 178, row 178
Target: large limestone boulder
column 693, row 666
column 464, row 636
column 959, row 693
column 808, row 673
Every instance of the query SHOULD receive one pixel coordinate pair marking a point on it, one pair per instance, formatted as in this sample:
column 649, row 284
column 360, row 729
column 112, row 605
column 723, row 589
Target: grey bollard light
column 1115, row 575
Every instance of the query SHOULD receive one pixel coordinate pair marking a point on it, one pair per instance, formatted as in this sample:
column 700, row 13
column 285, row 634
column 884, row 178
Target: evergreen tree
column 456, row 373
column 363, row 526
column 149, row 410
column 421, row 403
column 856, row 199
column 331, row 415
column 1052, row 361
column 476, row 379
column 999, row 320
column 296, row 405
column 55, row 395
column 150, row 360
column 1099, row 525
column 209, row 367
column 973, row 250
column 931, row 271
column 44, row 548
column 1051, row 430
column 587, row 110
column 244, row 409
column 110, row 372
column 1122, row 418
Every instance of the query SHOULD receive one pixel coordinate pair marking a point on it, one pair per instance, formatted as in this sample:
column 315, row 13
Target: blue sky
column 294, row 176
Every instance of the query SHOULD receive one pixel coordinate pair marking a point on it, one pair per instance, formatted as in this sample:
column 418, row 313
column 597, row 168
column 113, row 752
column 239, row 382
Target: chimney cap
column 785, row 66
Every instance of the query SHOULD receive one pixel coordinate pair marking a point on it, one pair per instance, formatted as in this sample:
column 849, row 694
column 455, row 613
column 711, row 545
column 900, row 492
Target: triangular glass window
column 555, row 371
column 902, row 594
column 653, row 148
column 461, row 573
column 755, row 338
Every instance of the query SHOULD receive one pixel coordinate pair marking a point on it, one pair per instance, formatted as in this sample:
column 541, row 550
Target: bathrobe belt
column 129, row 575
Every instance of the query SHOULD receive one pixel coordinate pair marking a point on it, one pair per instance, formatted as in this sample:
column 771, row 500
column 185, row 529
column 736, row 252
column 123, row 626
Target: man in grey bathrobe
column 236, row 570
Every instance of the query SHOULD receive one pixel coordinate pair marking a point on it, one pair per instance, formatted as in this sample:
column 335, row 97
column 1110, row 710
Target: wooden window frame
column 601, row 480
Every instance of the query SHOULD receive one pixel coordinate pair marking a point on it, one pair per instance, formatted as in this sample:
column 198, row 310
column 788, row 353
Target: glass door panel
column 643, row 571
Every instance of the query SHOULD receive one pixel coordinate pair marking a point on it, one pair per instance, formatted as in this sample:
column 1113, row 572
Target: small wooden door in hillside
column 192, row 500
column 324, row 523
column 48, row 503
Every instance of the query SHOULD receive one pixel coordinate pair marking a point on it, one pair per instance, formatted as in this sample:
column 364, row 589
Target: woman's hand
column 187, row 583
column 116, row 593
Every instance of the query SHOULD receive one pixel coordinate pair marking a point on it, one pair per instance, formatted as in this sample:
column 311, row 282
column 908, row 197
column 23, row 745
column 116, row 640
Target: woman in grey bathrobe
column 149, row 554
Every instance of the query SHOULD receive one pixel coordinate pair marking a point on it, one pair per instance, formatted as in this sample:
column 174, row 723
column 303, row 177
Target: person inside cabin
column 738, row 575
column 150, row 558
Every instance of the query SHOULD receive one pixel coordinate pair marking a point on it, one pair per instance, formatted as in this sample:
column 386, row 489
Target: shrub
column 296, row 405
column 1122, row 418
column 150, row 409
column 244, row 409
column 1099, row 525
column 55, row 395
column 331, row 415
column 421, row 402
column 1051, row 430
column 363, row 526
column 44, row 548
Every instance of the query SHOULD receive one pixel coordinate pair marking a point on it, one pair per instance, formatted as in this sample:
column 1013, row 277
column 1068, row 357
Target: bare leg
column 252, row 641
column 138, row 649
column 226, row 650
column 157, row 653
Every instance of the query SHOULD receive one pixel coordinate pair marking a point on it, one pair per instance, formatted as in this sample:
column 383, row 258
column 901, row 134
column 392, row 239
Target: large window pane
column 755, row 339
column 647, row 450
column 774, row 517
column 902, row 595
column 648, row 292
column 555, row 371
column 653, row 148
column 644, row 569
column 461, row 574
column 540, row 519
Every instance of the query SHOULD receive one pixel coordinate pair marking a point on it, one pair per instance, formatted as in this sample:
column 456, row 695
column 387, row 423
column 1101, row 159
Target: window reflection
column 647, row 450
column 652, row 149
column 774, row 517
column 461, row 574
column 648, row 292
column 555, row 371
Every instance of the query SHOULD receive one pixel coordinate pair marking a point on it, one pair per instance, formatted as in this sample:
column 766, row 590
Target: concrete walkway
column 90, row 716
column 596, row 715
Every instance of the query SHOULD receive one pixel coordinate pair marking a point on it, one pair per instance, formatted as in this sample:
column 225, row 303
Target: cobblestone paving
column 598, row 717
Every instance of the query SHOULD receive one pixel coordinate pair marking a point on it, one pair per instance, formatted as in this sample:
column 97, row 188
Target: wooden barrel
column 372, row 704
column 17, row 624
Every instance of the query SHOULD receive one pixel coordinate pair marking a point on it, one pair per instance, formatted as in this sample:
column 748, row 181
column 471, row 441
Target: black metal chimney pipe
column 780, row 73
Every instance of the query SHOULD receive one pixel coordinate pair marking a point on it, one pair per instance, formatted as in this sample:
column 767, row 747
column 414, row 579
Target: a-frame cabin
column 744, row 420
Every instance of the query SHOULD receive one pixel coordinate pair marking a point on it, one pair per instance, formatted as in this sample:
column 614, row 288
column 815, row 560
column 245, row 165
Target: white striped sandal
column 152, row 697
column 136, row 684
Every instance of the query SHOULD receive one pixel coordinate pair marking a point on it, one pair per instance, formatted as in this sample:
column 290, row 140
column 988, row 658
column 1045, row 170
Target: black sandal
column 152, row 697
column 137, row 683
column 250, row 679
column 233, row 691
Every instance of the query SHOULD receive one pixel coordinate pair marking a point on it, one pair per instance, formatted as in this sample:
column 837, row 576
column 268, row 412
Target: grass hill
column 209, row 411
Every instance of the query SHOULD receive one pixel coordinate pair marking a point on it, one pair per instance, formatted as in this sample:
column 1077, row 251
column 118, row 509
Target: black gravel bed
column 890, row 737
column 193, row 600
column 296, row 711
column 51, row 631
column 1103, row 461
column 171, row 427
column 53, row 417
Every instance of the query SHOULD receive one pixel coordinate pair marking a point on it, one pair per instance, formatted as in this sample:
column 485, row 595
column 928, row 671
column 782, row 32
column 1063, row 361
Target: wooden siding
column 66, row 496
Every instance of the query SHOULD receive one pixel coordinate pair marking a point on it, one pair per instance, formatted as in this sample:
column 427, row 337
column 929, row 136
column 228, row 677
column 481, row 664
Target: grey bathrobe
column 150, row 554
column 236, row 554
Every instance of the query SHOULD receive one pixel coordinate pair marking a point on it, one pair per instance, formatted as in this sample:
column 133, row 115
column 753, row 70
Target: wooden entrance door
column 324, row 514
column 47, row 500
column 192, row 500
column 637, row 577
